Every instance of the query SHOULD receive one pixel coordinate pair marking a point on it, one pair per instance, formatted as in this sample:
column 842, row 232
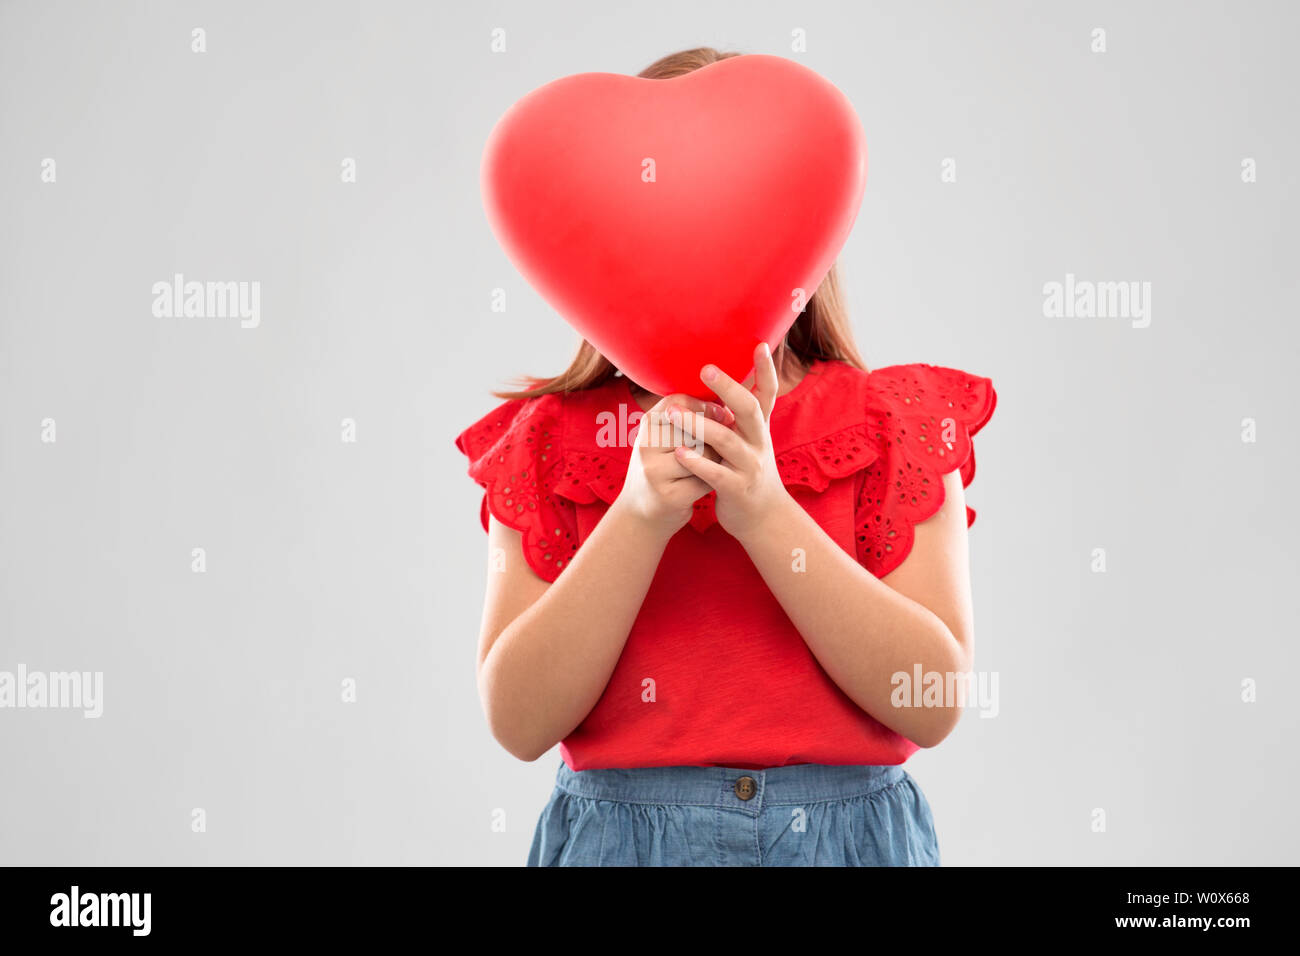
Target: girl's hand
column 659, row 489
column 746, row 479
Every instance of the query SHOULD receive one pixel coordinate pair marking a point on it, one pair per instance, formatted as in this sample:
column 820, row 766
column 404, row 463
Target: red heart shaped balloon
column 674, row 223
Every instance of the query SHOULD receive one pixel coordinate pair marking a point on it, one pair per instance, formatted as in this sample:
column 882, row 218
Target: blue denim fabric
column 803, row 815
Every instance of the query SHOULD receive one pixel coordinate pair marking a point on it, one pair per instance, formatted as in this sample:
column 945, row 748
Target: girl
column 713, row 627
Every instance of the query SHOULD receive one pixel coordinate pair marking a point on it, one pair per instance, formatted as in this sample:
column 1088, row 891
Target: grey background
column 329, row 561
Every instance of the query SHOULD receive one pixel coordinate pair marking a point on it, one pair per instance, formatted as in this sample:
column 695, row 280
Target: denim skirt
column 802, row 815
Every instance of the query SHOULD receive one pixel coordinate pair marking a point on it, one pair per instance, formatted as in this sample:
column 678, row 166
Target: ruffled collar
column 819, row 429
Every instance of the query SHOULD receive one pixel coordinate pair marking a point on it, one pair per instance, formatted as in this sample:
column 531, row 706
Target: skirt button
column 746, row 787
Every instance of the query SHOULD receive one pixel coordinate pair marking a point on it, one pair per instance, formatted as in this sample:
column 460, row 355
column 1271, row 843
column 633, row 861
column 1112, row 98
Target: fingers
column 719, row 413
column 750, row 418
column 662, row 431
column 726, row 441
column 766, row 382
column 687, row 490
column 650, row 429
column 715, row 474
column 673, row 479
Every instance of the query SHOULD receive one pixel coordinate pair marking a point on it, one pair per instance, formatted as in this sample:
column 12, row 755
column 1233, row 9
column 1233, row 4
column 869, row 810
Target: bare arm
column 861, row 629
column 546, row 652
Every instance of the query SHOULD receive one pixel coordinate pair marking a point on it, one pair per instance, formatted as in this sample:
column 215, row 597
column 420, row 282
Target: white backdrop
column 327, row 561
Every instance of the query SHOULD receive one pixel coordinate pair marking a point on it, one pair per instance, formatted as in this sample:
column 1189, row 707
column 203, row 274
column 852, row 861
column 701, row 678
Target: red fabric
column 734, row 683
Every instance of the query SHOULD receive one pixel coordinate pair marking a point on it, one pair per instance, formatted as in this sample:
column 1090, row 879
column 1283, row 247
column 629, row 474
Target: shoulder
column 532, row 423
column 909, row 405
column 935, row 390
column 851, row 412
column 914, row 424
column 543, row 428
column 924, row 423
column 913, row 387
column 536, row 458
column 511, row 452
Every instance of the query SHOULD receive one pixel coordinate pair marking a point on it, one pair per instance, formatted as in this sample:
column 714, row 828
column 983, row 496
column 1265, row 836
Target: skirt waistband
column 726, row 787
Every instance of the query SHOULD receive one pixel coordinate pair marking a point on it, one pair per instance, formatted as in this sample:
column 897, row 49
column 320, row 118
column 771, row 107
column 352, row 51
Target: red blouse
column 732, row 683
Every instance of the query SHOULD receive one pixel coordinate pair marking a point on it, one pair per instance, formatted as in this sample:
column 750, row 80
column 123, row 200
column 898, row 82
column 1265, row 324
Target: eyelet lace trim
column 818, row 463
column 924, row 433
column 516, row 458
column 918, row 427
